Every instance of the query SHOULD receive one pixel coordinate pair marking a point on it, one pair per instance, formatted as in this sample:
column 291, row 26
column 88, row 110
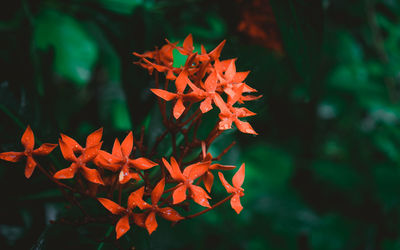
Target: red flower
column 148, row 218
column 236, row 190
column 119, row 160
column 186, row 180
column 68, row 149
column 125, row 213
column 208, row 177
column 28, row 141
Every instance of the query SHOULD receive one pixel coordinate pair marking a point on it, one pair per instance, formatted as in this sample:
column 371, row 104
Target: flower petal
column 211, row 82
column 142, row 163
column 245, row 127
column 157, row 192
column 111, row 206
column 197, row 170
column 178, row 108
column 105, row 160
column 208, row 179
column 122, row 226
column 91, row 153
column 199, row 196
column 66, row 173
column 230, row 71
column 137, row 198
column 94, row 138
column 170, row 214
column 66, row 150
column 28, row 139
column 181, row 81
column 215, row 53
column 168, row 96
column 29, row 167
column 179, row 194
column 205, row 105
column 127, row 145
column 71, row 143
column 222, row 167
column 151, row 223
column 117, row 151
column 240, row 76
column 235, row 203
column 44, row 149
column 188, row 43
column 238, row 178
column 140, row 219
column 12, row 156
column 226, row 185
column 91, row 175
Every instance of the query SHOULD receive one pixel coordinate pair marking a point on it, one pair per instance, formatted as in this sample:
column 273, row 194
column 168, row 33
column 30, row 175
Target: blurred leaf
column 75, row 52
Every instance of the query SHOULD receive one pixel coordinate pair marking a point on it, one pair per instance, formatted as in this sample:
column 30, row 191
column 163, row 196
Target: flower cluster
column 132, row 170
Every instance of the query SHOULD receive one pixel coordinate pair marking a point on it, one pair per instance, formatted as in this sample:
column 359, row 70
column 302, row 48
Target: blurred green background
column 324, row 171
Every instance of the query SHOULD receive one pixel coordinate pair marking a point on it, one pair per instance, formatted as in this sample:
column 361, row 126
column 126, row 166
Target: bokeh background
column 323, row 173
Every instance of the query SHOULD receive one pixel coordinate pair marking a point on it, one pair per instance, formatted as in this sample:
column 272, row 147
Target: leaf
column 75, row 52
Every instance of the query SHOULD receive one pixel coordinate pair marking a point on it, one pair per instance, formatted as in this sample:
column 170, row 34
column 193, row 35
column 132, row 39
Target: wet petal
column 205, row 105
column 188, row 43
column 127, row 145
column 181, row 81
column 151, row 223
column 117, row 151
column 179, row 108
column 91, row 175
column 71, row 143
column 245, row 127
column 208, row 180
column 66, row 173
column 122, row 226
column 157, row 192
column 215, row 53
column 140, row 219
column 226, row 185
column 30, row 166
column 142, row 163
column 94, row 138
column 91, row 153
column 197, row 170
column 235, row 203
column 170, row 214
column 168, row 96
column 238, row 178
column 199, row 196
column 28, row 139
column 45, row 149
column 111, row 206
column 66, row 151
column 179, row 194
column 137, row 198
column 12, row 156
column 240, row 76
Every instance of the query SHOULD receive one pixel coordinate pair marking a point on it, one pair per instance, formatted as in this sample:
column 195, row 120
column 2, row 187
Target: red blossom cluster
column 97, row 173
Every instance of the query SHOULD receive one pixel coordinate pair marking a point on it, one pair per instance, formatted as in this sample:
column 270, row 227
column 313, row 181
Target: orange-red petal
column 199, row 196
column 30, row 167
column 178, row 108
column 12, row 156
column 208, row 179
column 66, row 150
column 122, row 226
column 28, row 139
column 235, row 203
column 127, row 145
column 157, row 192
column 45, row 149
column 238, row 178
column 197, row 170
column 168, row 96
column 170, row 214
column 111, row 206
column 117, row 151
column 179, row 194
column 142, row 163
column 206, row 105
column 151, row 222
column 91, row 175
column 91, row 153
column 226, row 185
column 71, row 143
column 245, row 127
column 66, row 173
column 94, row 138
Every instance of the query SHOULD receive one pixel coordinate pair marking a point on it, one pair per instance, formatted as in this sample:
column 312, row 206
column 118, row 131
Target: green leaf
column 75, row 52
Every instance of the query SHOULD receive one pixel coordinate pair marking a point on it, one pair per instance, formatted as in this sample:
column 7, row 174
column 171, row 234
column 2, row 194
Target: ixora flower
column 236, row 190
column 68, row 149
column 120, row 161
column 28, row 141
column 123, row 224
column 186, row 180
column 148, row 218
column 211, row 81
